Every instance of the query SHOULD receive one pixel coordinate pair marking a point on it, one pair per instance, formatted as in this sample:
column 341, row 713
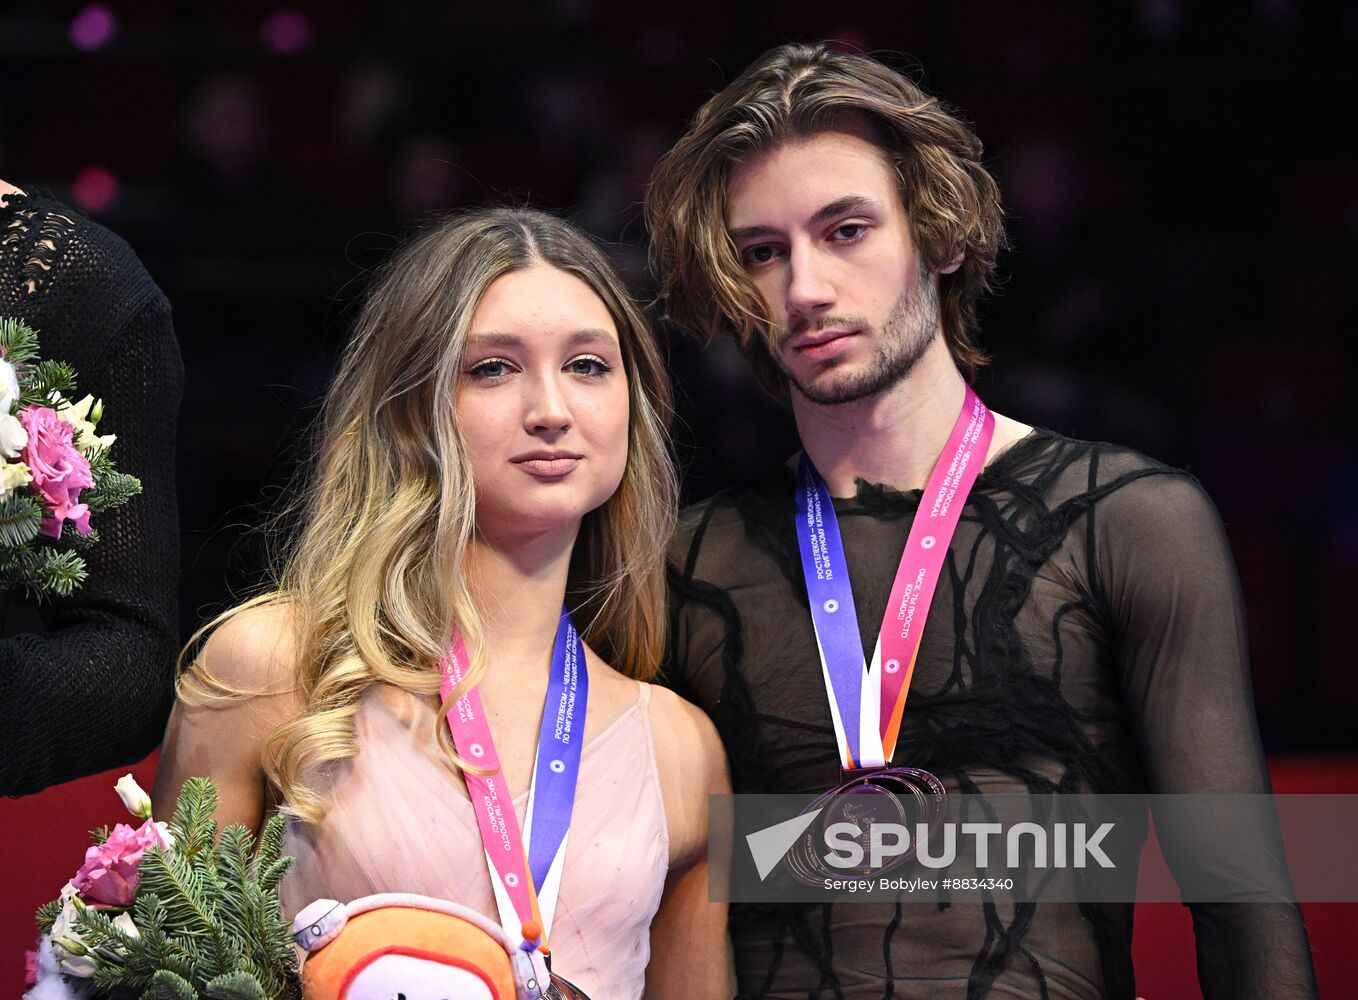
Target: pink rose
column 112, row 869
column 59, row 470
column 30, row 968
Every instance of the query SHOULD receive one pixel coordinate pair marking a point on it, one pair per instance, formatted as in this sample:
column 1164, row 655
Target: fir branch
column 111, row 489
column 170, row 876
column 235, row 986
column 18, row 341
column 45, row 378
column 47, row 913
column 270, row 876
column 97, row 930
column 46, row 572
column 100, row 463
column 166, row 985
column 193, row 827
column 99, row 834
column 270, row 847
column 20, row 518
column 71, row 536
column 158, row 950
column 207, row 913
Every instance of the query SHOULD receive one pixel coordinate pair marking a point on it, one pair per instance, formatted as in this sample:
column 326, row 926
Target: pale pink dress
column 397, row 823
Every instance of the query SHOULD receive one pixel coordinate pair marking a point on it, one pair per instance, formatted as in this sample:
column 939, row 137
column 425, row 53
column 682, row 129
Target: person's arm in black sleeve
column 1163, row 565
column 92, row 689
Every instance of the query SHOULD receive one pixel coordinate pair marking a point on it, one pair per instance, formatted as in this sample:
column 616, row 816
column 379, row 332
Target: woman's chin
column 534, row 521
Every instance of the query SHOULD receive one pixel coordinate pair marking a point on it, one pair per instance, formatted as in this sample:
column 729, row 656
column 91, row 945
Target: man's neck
column 894, row 437
column 519, row 584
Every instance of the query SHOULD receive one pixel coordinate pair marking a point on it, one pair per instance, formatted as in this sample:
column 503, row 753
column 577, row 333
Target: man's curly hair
column 951, row 200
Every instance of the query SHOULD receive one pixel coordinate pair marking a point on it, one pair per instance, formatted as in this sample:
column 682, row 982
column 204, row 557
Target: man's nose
column 809, row 290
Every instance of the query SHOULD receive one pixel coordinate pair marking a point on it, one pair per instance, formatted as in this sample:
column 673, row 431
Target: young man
column 1086, row 630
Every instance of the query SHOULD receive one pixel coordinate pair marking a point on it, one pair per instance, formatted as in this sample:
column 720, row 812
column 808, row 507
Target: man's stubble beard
column 904, row 338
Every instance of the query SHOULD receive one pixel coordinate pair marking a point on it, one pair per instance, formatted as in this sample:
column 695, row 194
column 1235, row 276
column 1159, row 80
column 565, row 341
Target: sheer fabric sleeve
column 101, row 662
column 1162, row 565
column 703, row 625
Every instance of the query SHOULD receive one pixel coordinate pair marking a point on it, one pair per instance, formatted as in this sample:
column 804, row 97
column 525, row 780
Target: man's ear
column 953, row 264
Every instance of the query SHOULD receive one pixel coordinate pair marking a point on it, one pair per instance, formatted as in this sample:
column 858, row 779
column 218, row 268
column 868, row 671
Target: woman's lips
column 549, row 468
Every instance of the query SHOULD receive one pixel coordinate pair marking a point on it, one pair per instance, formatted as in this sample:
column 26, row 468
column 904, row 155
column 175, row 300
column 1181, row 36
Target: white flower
column 78, row 411
column 123, row 922
column 13, row 437
column 78, row 415
column 12, row 476
column 138, row 803
column 69, row 950
column 166, row 837
column 64, row 925
column 9, row 386
column 75, row 959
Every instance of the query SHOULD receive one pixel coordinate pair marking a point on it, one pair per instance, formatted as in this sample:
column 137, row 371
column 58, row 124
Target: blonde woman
column 493, row 447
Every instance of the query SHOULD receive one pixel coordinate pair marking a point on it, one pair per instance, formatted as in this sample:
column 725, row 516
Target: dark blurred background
column 1182, row 183
column 1181, row 177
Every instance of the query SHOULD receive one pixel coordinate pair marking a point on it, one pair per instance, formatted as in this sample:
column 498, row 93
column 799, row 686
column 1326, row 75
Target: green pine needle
column 47, row 572
column 18, row 341
column 20, row 517
column 166, row 985
column 111, row 489
column 209, row 919
column 45, row 378
column 47, row 915
column 235, row 986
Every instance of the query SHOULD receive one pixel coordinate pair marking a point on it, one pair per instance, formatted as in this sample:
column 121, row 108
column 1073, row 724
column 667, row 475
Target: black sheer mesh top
column 1087, row 635
column 107, row 652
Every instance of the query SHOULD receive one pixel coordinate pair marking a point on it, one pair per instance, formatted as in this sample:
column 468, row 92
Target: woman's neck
column 519, row 584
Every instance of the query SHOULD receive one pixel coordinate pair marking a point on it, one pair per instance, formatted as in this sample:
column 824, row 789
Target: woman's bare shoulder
column 253, row 652
column 686, row 737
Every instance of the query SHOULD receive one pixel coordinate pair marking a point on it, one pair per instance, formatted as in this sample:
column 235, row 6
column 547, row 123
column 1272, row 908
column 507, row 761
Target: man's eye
column 761, row 254
column 850, row 230
column 588, row 366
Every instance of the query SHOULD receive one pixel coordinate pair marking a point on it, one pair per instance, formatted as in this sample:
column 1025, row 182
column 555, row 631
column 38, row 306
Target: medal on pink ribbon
column 525, row 867
column 867, row 700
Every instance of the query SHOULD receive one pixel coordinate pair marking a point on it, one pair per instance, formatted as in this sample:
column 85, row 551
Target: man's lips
column 822, row 345
column 548, row 464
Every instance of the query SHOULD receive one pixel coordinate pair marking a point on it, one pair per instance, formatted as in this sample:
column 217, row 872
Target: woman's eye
column 761, row 254
column 588, row 366
column 491, row 368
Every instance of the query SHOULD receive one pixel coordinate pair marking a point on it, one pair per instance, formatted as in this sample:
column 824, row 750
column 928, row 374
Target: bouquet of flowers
column 54, row 469
column 166, row 911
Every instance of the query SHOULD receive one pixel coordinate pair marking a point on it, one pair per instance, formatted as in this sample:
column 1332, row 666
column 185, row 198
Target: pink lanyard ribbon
column 525, row 873
column 867, row 705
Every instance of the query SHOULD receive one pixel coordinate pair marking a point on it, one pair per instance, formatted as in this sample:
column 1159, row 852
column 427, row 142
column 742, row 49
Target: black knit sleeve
column 1164, row 568
column 86, row 682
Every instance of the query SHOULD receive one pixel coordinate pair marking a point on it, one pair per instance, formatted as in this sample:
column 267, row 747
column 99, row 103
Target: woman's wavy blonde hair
column 951, row 200
column 372, row 571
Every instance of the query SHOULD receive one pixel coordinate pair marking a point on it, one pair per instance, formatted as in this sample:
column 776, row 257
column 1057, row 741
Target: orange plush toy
column 416, row 948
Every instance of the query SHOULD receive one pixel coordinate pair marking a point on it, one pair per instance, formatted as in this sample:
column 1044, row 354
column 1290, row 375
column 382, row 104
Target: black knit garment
column 86, row 682
column 1087, row 635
